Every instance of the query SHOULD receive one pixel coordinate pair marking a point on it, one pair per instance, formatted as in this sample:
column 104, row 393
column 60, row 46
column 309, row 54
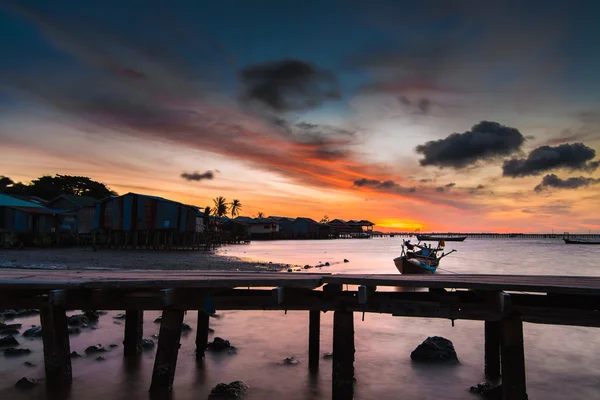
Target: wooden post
column 134, row 331
column 166, row 354
column 202, row 333
column 314, row 337
column 492, row 349
column 343, row 355
column 57, row 353
column 513, row 360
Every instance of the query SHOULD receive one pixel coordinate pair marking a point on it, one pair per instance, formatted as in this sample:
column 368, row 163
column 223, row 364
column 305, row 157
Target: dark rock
column 214, row 315
column 26, row 383
column 219, row 344
column 113, row 345
column 101, row 312
column 74, row 331
column 487, row 391
column 435, row 349
column 11, row 351
column 155, row 336
column 29, row 364
column 211, row 330
column 98, row 348
column 36, row 331
column 290, row 270
column 234, row 390
column 8, row 314
column 75, row 354
column 307, row 266
column 78, row 320
column 159, row 319
column 185, row 327
column 328, row 355
column 9, row 331
column 100, row 358
column 27, row 312
column 147, row 343
column 345, row 260
column 91, row 315
column 11, row 326
column 119, row 316
column 11, row 341
column 117, row 323
column 326, row 264
column 291, row 361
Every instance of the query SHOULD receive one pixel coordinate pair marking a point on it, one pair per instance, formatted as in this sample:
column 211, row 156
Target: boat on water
column 420, row 259
column 437, row 238
column 581, row 241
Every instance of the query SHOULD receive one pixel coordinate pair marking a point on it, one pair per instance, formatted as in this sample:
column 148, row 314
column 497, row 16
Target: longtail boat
column 418, row 259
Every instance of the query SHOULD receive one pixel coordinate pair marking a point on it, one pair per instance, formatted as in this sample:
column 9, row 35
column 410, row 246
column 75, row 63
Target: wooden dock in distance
column 502, row 301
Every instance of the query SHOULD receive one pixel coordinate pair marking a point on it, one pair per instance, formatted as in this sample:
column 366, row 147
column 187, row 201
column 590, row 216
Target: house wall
column 85, row 219
column 62, row 204
column 264, row 228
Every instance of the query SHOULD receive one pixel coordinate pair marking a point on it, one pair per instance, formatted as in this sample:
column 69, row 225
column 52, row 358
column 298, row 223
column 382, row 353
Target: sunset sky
column 438, row 115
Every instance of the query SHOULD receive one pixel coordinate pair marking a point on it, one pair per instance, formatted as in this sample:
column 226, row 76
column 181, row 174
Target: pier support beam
column 202, row 333
column 493, row 330
column 168, row 348
column 513, row 360
column 314, row 338
column 343, row 356
column 134, row 331
column 57, row 352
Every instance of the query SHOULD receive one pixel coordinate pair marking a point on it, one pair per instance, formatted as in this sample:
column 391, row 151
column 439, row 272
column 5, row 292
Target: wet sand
column 78, row 258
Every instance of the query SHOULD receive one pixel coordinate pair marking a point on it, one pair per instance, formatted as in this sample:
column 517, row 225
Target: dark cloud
column 196, row 176
column 288, row 85
column 476, row 189
column 553, row 181
column 486, row 140
column 573, row 157
column 387, row 185
column 425, row 180
column 421, row 106
column 445, row 188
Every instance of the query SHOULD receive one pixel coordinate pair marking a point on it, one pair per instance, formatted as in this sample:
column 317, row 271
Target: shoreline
column 131, row 260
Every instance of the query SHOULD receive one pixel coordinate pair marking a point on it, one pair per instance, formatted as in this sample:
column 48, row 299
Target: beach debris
column 74, row 331
column 219, row 344
column 12, row 351
column 147, row 343
column 346, row 260
column 35, row 331
column 29, row 364
column 75, row 354
column 100, row 358
column 97, row 348
column 185, row 327
column 487, row 390
column 327, row 355
column 435, row 349
column 234, row 390
column 26, row 383
column 8, row 341
column 9, row 331
column 78, row 320
column 291, row 361
column 119, row 316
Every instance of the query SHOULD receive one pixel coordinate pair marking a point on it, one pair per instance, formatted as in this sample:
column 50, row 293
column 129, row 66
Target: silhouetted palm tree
column 220, row 209
column 260, row 214
column 236, row 207
column 324, row 220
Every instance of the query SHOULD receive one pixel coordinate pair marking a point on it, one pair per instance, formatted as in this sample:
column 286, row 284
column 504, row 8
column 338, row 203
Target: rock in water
column 291, row 361
column 29, row 364
column 487, row 391
column 75, row 354
column 435, row 349
column 36, row 331
column 219, row 344
column 74, row 331
column 92, row 315
column 346, row 260
column 26, row 383
column 9, row 331
column 11, row 351
column 98, row 348
column 11, row 326
column 11, row 341
column 78, row 320
column 113, row 345
column 228, row 391
column 147, row 343
column 327, row 355
column 159, row 319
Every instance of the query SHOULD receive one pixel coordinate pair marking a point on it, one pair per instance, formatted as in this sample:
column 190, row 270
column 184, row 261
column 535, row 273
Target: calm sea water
column 562, row 362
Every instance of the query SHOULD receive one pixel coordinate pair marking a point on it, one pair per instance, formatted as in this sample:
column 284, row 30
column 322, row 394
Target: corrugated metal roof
column 8, row 201
column 81, row 201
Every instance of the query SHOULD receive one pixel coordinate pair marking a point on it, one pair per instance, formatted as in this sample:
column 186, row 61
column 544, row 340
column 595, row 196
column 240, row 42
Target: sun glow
column 403, row 225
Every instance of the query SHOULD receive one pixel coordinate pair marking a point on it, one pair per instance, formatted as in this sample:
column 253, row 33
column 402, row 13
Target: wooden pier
column 503, row 302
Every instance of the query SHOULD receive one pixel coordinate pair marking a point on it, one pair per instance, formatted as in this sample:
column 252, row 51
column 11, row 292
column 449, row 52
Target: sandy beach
column 77, row 258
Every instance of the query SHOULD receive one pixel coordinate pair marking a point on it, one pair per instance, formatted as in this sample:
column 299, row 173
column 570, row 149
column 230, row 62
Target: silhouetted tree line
column 48, row 187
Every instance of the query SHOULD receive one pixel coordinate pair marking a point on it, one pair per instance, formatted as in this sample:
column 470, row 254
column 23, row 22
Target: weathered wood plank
column 202, row 333
column 314, row 339
column 169, row 335
column 513, row 359
column 493, row 330
column 134, row 331
column 57, row 352
column 343, row 356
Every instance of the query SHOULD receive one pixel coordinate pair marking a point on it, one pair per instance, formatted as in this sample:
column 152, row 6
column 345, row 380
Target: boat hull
column 575, row 241
column 405, row 267
column 428, row 238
